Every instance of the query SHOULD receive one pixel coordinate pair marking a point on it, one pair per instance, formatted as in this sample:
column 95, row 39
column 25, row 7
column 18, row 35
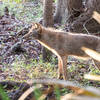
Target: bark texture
column 66, row 8
column 47, row 22
column 85, row 22
column 60, row 10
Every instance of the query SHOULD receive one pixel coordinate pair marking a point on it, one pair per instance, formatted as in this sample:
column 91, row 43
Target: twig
column 30, row 90
column 84, row 25
column 20, row 31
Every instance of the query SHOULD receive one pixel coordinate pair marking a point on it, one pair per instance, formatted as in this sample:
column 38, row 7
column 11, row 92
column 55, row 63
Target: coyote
column 63, row 44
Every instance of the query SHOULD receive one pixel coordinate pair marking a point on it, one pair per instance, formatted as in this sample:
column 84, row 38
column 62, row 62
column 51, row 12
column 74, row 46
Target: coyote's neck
column 50, row 39
column 48, row 47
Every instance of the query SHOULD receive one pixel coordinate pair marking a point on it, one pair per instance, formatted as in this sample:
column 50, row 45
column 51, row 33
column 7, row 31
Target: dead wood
column 96, row 16
column 85, row 22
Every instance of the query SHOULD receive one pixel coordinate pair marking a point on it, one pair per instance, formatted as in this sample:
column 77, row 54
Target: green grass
column 34, row 69
column 23, row 12
column 57, row 93
column 3, row 94
column 37, row 94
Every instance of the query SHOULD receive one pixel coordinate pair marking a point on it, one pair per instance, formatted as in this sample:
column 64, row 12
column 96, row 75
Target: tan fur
column 64, row 44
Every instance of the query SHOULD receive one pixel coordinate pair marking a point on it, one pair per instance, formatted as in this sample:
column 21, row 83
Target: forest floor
column 29, row 65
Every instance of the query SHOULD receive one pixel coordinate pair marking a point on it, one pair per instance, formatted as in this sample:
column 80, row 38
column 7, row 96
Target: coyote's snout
column 64, row 44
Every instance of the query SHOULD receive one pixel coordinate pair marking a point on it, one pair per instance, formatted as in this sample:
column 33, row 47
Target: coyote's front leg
column 62, row 67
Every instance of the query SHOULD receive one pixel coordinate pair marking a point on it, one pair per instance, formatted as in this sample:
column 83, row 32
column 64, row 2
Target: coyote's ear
column 37, row 26
column 34, row 25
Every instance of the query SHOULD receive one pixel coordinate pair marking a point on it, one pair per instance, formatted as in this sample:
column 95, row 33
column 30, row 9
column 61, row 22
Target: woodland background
column 23, row 61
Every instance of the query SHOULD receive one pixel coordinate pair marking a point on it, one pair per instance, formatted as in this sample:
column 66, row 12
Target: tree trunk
column 74, row 5
column 47, row 22
column 60, row 10
column 85, row 22
column 66, row 9
column 75, row 8
column 48, row 13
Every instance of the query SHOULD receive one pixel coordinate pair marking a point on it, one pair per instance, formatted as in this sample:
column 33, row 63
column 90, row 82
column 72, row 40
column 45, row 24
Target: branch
column 96, row 16
column 95, row 55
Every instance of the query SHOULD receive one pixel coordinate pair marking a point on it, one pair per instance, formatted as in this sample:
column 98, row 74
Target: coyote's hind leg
column 62, row 67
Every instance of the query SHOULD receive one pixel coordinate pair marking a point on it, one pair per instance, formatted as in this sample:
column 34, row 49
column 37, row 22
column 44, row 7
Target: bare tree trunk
column 85, row 22
column 74, row 5
column 47, row 22
column 48, row 13
column 75, row 8
column 60, row 10
column 66, row 8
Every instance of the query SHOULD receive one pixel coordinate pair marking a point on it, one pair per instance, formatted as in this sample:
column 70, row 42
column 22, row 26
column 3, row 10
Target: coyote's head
column 34, row 32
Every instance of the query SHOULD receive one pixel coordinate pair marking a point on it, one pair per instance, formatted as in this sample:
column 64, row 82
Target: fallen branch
column 95, row 55
column 96, row 16
column 27, row 92
column 92, row 77
column 71, row 96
